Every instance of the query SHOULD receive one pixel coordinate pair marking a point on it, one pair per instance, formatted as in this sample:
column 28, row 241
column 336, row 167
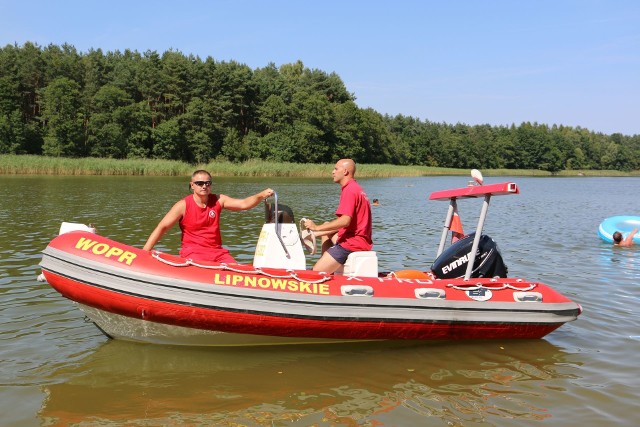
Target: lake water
column 57, row 369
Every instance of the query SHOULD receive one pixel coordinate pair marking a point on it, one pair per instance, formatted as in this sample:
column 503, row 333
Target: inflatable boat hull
column 158, row 298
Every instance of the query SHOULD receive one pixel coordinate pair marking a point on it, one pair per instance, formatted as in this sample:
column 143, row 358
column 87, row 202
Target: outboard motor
column 452, row 263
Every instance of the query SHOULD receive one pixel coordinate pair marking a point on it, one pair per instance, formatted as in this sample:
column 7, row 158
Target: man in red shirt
column 199, row 217
column 351, row 230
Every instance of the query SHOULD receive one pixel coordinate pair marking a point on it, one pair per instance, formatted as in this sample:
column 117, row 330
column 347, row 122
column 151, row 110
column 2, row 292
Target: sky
column 498, row 62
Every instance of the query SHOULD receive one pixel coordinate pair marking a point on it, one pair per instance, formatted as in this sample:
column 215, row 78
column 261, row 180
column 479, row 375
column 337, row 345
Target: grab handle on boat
column 277, row 224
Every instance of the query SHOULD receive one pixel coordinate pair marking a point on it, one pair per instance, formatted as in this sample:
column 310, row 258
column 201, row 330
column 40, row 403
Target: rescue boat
column 160, row 298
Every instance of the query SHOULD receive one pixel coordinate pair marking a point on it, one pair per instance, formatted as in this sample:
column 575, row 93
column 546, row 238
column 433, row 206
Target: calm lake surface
column 57, row 369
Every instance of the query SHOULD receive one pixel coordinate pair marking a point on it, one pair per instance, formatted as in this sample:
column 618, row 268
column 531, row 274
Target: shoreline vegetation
column 59, row 102
column 41, row 165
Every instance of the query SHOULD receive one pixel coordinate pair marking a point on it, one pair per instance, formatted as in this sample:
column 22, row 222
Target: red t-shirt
column 355, row 203
column 201, row 239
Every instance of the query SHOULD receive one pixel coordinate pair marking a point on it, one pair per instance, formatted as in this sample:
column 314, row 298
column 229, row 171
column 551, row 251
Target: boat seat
column 360, row 263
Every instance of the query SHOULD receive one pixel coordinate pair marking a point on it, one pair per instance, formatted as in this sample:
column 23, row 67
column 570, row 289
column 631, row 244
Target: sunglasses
column 202, row 183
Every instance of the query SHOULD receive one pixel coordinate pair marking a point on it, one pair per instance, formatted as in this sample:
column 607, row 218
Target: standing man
column 351, row 230
column 199, row 217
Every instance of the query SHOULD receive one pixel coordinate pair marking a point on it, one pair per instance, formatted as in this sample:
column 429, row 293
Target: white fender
column 73, row 226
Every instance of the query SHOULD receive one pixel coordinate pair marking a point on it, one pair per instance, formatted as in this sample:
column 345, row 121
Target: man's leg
column 332, row 259
column 327, row 264
column 328, row 240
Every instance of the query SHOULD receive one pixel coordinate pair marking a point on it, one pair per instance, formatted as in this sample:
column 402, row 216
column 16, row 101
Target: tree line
column 56, row 101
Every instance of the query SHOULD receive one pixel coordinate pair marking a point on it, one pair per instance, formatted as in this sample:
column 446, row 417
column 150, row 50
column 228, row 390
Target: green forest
column 56, row 101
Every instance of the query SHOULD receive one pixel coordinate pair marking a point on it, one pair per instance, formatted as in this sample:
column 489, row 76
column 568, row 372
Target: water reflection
column 365, row 384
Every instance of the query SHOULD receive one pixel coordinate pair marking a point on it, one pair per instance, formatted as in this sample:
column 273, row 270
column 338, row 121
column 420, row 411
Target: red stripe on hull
column 264, row 324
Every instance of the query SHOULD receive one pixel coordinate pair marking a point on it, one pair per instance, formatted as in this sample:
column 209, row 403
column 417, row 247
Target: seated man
column 351, row 230
column 198, row 215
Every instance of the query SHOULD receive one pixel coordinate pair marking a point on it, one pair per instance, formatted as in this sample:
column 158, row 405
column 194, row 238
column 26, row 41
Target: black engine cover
column 452, row 263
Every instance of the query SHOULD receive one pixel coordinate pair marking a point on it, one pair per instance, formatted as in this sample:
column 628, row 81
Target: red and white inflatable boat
column 160, row 298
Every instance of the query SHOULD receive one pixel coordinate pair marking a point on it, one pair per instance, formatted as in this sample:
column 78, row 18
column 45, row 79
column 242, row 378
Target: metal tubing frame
column 453, row 207
column 476, row 239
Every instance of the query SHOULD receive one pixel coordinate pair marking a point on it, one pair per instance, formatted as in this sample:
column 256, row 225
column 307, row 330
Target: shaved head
column 344, row 171
column 349, row 165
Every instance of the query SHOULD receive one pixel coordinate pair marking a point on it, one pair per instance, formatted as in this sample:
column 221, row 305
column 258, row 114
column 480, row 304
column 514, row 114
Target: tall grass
column 29, row 164
column 263, row 168
column 40, row 165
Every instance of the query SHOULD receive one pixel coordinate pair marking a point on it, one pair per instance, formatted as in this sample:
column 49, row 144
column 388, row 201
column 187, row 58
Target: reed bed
column 260, row 168
column 41, row 165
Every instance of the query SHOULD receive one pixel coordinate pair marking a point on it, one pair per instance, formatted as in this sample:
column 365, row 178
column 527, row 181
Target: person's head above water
column 617, row 237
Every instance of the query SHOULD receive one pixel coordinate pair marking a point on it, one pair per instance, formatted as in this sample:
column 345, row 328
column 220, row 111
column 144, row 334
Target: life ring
column 622, row 223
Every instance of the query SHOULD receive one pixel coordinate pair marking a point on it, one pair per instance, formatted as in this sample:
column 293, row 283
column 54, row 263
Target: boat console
column 279, row 245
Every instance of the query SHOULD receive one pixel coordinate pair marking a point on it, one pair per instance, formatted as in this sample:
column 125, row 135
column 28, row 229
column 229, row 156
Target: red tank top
column 200, row 227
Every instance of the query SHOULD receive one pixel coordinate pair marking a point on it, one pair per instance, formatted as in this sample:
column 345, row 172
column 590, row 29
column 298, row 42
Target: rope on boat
column 324, row 276
column 254, row 270
column 475, row 286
